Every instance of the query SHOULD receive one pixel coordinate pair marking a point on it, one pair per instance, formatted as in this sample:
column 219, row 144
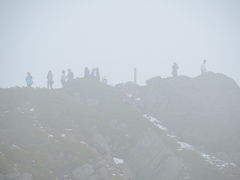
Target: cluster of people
column 175, row 68
column 65, row 77
column 94, row 74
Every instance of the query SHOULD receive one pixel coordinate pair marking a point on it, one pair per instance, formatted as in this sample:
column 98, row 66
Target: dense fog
column 119, row 90
column 117, row 36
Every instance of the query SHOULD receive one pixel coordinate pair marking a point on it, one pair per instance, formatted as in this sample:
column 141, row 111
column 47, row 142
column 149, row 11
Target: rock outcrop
column 91, row 131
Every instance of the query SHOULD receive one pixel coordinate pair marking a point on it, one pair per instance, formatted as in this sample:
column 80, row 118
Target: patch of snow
column 217, row 162
column 233, row 164
column 171, row 136
column 129, row 95
column 220, row 164
column 138, row 99
column 83, row 142
column 15, row 146
column 155, row 122
column 63, row 135
column 32, row 110
column 161, row 127
column 68, row 129
column 118, row 161
column 186, row 146
column 50, row 136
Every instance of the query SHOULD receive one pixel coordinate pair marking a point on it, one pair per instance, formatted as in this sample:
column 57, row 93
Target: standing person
column 175, row 68
column 86, row 72
column 70, row 75
column 63, row 78
column 97, row 75
column 93, row 73
column 29, row 79
column 204, row 67
column 50, row 80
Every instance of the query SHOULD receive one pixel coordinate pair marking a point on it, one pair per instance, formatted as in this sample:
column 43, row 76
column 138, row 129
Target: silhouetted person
column 86, row 72
column 204, row 67
column 50, row 80
column 29, row 79
column 93, row 73
column 104, row 80
column 63, row 78
column 97, row 77
column 70, row 75
column 175, row 68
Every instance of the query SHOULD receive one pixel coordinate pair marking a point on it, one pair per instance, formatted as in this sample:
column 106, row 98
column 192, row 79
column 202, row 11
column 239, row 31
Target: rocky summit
column 169, row 129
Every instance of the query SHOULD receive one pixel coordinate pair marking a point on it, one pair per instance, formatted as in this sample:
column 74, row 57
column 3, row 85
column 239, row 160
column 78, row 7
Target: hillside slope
column 204, row 111
column 91, row 131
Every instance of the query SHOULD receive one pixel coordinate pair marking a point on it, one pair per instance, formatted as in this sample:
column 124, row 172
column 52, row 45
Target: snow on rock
column 155, row 122
column 129, row 95
column 171, row 136
column 63, row 135
column 50, row 136
column 217, row 162
column 32, row 110
column 138, row 99
column 161, row 127
column 15, row 146
column 83, row 142
column 118, row 161
column 220, row 164
column 186, row 146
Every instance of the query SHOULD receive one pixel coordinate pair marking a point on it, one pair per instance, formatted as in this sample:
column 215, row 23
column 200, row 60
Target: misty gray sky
column 116, row 36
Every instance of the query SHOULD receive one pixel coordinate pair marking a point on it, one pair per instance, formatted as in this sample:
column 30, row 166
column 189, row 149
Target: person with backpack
column 175, row 68
column 86, row 73
column 63, row 78
column 29, row 79
column 50, row 80
column 70, row 75
column 93, row 73
column 204, row 67
column 97, row 75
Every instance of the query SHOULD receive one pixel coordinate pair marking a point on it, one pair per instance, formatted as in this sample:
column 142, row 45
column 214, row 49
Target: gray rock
column 101, row 163
column 17, row 176
column 83, row 172
column 25, row 176
column 12, row 176
column 101, row 144
column 102, row 173
column 93, row 178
